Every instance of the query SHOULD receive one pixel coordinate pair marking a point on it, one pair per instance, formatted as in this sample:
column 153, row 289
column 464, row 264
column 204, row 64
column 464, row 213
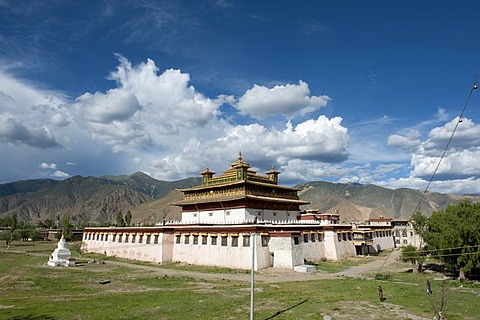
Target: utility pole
column 252, row 281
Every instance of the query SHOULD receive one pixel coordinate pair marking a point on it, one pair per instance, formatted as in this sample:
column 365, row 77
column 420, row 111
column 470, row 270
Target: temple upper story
column 239, row 195
column 240, row 181
column 239, row 171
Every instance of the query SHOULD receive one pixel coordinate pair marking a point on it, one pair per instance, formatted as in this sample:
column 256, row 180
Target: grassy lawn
column 31, row 290
column 339, row 266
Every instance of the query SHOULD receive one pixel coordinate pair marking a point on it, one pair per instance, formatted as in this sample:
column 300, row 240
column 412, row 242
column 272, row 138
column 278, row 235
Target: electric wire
column 459, row 120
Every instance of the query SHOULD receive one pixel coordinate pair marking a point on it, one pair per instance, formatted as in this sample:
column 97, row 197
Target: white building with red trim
column 226, row 215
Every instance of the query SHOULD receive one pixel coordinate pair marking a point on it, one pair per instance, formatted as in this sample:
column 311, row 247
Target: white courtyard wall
column 156, row 252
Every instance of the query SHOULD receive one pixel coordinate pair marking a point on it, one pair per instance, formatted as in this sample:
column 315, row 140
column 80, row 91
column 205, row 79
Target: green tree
column 128, row 218
column 453, row 236
column 120, row 221
column 49, row 223
column 64, row 227
column 13, row 224
column 34, row 235
column 411, row 254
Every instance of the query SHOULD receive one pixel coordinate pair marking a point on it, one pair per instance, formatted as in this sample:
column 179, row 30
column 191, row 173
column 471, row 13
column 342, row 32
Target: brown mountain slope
column 98, row 200
column 360, row 202
column 84, row 199
column 158, row 210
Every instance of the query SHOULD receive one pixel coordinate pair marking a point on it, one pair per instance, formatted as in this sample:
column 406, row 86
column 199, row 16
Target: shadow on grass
column 285, row 310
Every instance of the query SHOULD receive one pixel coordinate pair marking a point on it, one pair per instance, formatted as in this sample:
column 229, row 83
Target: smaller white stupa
column 61, row 256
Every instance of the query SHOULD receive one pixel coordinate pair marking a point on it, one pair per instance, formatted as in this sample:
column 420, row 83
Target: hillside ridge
column 99, row 199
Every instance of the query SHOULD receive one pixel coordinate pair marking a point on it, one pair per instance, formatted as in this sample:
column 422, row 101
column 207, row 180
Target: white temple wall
column 274, row 215
column 228, row 256
column 331, row 251
column 382, row 243
column 286, row 254
column 237, row 215
column 313, row 251
column 345, row 249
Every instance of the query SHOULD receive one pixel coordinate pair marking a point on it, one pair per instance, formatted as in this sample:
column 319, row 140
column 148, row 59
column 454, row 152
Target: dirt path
column 271, row 275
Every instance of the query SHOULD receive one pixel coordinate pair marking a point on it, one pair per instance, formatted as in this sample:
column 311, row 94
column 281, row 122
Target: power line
column 460, row 120
column 443, row 255
column 452, row 248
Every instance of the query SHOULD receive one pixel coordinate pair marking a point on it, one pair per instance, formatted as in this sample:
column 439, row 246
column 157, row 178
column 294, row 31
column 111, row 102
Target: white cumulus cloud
column 288, row 100
column 45, row 165
column 60, row 174
column 145, row 107
column 408, row 142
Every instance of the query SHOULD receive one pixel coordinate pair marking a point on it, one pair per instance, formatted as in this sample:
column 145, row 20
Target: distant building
column 53, row 234
column 404, row 234
column 223, row 217
column 380, row 221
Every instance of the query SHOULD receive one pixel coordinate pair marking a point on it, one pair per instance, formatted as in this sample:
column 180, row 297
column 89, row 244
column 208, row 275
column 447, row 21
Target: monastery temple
column 227, row 214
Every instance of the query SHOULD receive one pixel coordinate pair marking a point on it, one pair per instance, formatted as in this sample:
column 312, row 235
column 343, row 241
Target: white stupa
column 61, row 256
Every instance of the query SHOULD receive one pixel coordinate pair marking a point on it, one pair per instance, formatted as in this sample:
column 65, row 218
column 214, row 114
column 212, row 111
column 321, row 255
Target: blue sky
column 342, row 91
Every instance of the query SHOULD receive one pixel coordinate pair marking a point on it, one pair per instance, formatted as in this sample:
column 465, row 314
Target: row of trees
column 451, row 235
column 15, row 230
column 124, row 222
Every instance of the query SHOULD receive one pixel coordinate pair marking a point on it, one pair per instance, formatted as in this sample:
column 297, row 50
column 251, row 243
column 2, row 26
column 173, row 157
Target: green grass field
column 31, row 290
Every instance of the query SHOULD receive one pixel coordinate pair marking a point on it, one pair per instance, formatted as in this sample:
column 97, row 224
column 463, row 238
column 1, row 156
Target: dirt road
column 272, row 275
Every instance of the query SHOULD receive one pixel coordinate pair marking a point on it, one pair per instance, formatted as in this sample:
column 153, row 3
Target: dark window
column 305, row 237
column 187, row 239
column 148, row 239
column 204, row 239
column 195, row 239
column 140, row 240
column 264, row 241
column 246, row 241
column 133, row 238
column 214, row 240
column 296, row 240
column 224, row 241
column 177, row 238
column 312, row 237
column 120, row 236
column 155, row 239
column 114, row 237
column 339, row 237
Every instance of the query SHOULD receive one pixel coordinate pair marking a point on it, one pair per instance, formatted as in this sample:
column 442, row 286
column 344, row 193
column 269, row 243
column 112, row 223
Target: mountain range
column 99, row 199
